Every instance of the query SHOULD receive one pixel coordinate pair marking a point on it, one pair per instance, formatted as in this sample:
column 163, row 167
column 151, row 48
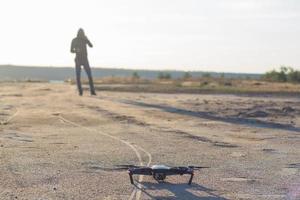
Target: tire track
column 136, row 192
column 140, row 187
column 5, row 122
column 10, row 170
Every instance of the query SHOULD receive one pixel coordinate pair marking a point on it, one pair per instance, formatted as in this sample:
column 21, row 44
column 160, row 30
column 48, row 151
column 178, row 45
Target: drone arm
column 139, row 171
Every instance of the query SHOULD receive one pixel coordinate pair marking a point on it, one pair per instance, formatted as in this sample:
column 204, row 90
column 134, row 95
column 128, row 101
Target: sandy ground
column 55, row 144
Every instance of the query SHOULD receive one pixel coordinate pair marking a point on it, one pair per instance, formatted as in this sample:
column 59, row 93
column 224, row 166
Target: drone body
column 160, row 172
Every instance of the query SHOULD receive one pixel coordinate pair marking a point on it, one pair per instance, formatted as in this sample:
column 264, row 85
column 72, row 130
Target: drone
column 159, row 172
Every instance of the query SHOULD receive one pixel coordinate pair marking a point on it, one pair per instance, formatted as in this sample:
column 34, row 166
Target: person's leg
column 89, row 74
column 78, row 81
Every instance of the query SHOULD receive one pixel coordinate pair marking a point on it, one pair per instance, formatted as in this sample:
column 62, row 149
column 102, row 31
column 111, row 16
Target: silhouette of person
column 78, row 47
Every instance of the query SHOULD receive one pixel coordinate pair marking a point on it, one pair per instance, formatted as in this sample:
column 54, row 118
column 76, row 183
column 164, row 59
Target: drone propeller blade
column 127, row 166
column 107, row 168
column 121, row 168
column 198, row 167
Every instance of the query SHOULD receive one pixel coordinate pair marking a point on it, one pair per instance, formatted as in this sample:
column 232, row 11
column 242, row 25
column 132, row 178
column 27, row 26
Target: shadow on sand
column 179, row 191
column 228, row 119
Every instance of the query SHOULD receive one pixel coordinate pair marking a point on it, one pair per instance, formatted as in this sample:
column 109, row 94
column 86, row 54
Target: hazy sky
column 214, row 35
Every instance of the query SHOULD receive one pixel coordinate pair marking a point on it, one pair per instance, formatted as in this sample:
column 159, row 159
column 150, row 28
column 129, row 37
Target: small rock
column 257, row 83
column 288, row 109
column 269, row 150
column 257, row 114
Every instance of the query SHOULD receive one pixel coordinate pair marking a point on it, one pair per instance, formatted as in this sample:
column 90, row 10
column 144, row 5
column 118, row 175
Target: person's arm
column 73, row 47
column 89, row 43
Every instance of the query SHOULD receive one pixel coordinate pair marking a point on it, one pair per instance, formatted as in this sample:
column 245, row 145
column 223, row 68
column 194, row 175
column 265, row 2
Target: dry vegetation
column 195, row 85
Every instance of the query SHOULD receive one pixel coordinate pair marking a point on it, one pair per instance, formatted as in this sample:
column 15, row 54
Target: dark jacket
column 78, row 46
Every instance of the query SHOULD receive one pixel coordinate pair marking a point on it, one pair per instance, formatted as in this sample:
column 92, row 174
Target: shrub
column 162, row 75
column 205, row 83
column 293, row 76
column 187, row 75
column 286, row 74
column 206, row 75
column 228, row 83
column 135, row 75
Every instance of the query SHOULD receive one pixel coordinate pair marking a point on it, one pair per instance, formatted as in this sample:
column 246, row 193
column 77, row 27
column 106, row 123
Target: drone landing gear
column 131, row 178
column 160, row 177
column 191, row 179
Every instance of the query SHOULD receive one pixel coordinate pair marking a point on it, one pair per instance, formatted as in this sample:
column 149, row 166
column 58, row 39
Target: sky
column 251, row 36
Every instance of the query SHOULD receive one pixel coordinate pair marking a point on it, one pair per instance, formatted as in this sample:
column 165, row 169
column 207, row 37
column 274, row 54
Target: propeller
column 197, row 167
column 107, row 168
column 126, row 166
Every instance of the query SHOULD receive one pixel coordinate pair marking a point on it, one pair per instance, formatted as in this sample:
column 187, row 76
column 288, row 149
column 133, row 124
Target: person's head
column 80, row 33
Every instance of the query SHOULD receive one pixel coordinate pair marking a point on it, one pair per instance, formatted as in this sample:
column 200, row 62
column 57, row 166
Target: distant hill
column 11, row 72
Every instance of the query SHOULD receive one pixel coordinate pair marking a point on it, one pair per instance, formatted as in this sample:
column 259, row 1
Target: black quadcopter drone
column 159, row 172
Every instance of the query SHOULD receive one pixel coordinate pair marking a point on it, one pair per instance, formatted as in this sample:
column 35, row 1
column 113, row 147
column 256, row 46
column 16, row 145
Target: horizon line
column 131, row 69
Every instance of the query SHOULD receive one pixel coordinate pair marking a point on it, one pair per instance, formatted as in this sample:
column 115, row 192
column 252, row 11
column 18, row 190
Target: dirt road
column 55, row 144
